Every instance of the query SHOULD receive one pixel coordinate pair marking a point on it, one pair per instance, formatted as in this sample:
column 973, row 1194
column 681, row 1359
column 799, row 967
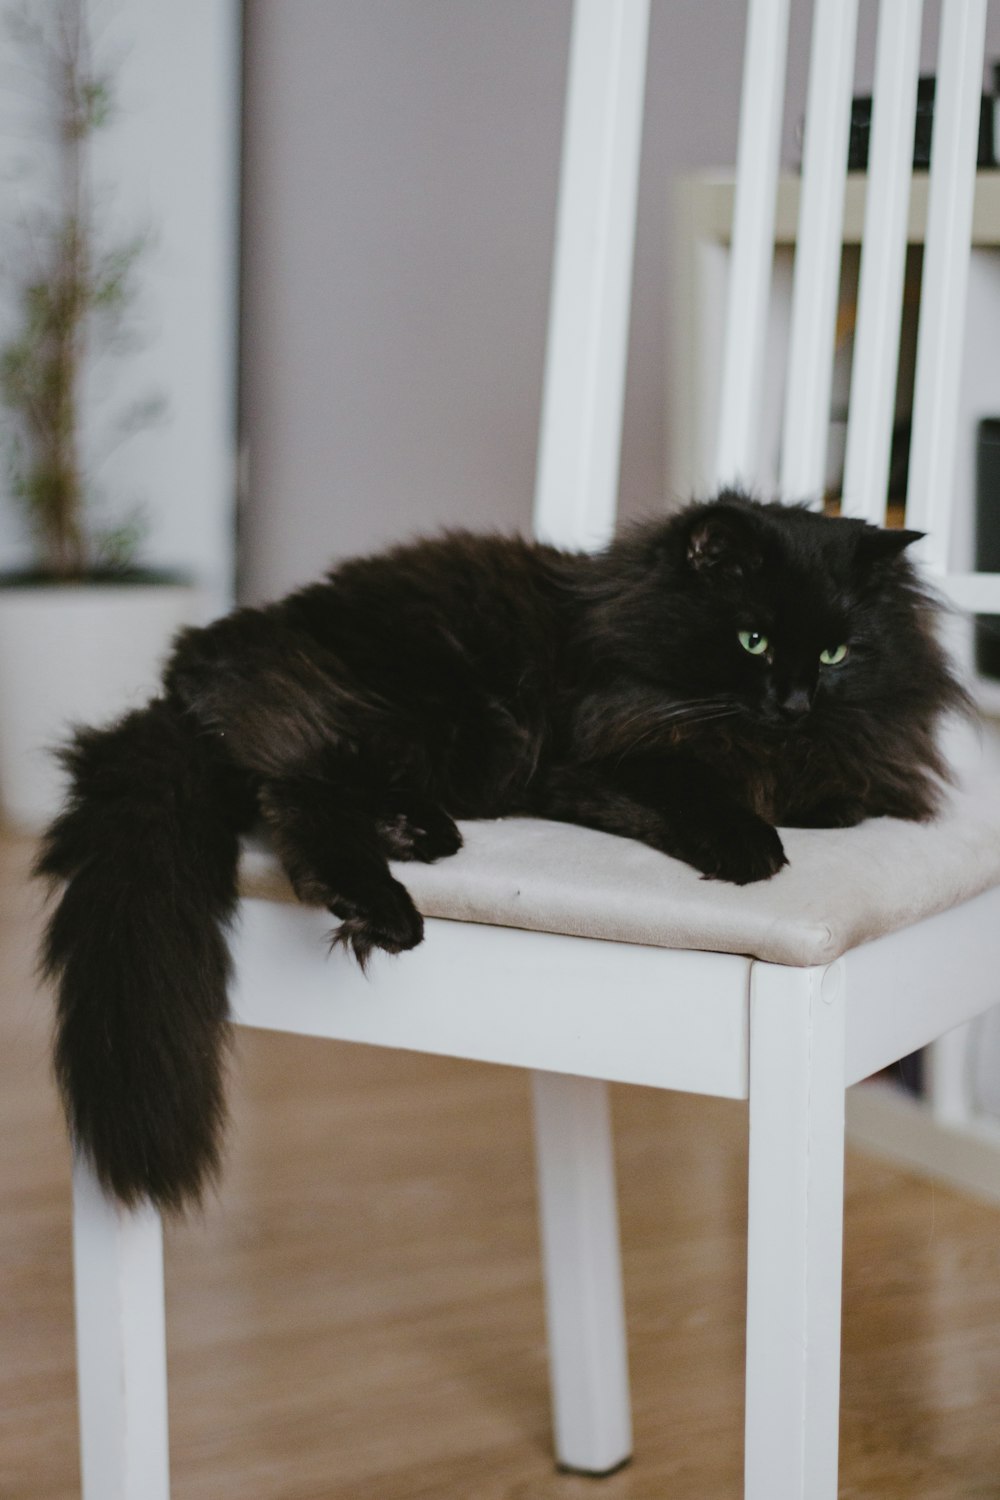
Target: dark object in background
column 988, row 538
column 861, row 124
column 910, row 1073
column 899, row 461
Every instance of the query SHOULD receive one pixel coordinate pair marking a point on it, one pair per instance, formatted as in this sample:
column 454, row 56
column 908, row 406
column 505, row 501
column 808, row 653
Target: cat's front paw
column 418, row 830
column 741, row 853
column 386, row 918
column 836, row 812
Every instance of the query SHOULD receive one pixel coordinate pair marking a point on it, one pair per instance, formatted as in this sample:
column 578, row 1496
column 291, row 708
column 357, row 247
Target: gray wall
column 400, row 186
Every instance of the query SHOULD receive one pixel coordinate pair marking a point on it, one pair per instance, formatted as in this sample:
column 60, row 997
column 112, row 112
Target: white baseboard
column 887, row 1122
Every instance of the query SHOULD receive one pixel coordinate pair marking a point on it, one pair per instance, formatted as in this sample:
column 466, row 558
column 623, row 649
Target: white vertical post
column 583, row 1293
column 883, row 261
column 950, row 1077
column 121, row 1346
column 817, row 251
column 580, row 441
column 931, row 480
column 795, row 1233
column 945, row 277
column 752, row 253
column 575, row 503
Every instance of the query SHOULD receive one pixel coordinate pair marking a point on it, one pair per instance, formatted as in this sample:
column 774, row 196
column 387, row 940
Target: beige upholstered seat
column 842, row 886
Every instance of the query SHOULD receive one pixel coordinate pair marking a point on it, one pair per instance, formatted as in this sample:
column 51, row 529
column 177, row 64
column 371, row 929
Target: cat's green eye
column 833, row 655
column 754, row 642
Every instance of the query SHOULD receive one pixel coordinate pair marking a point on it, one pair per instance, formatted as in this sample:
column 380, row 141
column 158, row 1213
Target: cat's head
column 798, row 613
column 788, row 615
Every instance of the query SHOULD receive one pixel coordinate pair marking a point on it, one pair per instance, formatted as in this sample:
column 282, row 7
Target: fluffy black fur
column 672, row 689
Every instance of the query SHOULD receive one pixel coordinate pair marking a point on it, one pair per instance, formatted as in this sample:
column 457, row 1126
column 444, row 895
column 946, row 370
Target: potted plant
column 83, row 628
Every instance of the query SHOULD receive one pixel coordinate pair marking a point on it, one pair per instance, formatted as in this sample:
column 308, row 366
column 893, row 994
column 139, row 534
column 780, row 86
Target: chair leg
column 795, row 1237
column 582, row 1263
column 121, row 1346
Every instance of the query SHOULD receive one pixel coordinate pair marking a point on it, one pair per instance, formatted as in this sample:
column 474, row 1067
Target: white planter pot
column 74, row 654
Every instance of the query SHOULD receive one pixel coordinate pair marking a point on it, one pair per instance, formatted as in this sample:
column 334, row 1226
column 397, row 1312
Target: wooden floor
column 359, row 1316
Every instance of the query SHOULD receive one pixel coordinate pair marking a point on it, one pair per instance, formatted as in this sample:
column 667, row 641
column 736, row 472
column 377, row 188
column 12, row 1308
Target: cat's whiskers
column 711, row 711
column 672, row 712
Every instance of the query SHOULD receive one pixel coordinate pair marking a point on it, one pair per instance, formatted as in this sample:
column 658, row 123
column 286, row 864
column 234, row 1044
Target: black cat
column 707, row 677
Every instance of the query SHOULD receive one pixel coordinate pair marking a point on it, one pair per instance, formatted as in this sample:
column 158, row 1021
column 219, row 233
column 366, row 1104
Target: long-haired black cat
column 706, row 678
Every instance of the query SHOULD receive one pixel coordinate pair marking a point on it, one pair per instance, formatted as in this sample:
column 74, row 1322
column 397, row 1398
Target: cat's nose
column 795, row 703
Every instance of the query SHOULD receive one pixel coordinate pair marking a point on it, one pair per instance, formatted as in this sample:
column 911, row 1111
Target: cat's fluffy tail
column 146, row 851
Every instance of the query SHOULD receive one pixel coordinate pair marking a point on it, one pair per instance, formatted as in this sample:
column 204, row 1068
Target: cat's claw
column 389, row 921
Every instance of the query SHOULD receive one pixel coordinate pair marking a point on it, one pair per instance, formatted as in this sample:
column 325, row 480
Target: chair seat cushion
column 841, row 887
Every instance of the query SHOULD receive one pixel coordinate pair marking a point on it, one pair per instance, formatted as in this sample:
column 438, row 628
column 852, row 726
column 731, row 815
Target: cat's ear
column 720, row 544
column 877, row 544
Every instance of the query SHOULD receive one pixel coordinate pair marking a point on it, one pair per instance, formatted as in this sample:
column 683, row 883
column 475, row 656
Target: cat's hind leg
column 329, row 844
column 286, row 712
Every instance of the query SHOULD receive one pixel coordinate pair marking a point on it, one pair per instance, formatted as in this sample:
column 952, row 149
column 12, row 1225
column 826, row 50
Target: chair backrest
column 947, row 238
column 579, row 447
column 581, row 422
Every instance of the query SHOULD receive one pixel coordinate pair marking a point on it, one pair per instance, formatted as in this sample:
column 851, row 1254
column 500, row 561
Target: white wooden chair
column 586, row 958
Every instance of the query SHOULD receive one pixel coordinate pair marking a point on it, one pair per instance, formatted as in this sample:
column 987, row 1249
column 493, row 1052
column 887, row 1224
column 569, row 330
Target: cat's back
column 477, row 593
column 463, row 640
column 466, row 570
